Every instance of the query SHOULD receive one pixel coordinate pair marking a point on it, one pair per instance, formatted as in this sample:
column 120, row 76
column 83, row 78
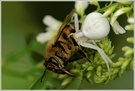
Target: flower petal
column 81, row 6
column 129, row 27
column 44, row 37
column 117, row 28
column 110, row 10
column 131, row 20
column 119, row 12
column 51, row 22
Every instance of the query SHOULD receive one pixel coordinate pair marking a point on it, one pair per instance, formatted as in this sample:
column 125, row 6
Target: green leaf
column 12, row 82
column 38, row 84
column 75, row 84
column 49, row 82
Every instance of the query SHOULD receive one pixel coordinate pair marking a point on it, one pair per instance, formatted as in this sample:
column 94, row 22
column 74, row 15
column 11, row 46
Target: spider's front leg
column 76, row 22
column 101, row 52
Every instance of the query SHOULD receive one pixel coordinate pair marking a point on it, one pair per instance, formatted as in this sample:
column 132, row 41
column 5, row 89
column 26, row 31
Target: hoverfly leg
column 84, row 55
column 79, row 50
column 77, row 58
column 70, row 74
column 73, row 40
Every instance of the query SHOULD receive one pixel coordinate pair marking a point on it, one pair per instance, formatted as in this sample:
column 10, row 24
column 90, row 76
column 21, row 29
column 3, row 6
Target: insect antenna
column 43, row 75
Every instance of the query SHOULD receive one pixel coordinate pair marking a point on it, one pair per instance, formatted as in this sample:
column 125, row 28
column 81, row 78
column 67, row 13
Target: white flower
column 131, row 20
column 44, row 37
column 119, row 12
column 51, row 22
column 115, row 25
column 131, row 25
column 117, row 28
column 110, row 10
column 94, row 2
column 52, row 28
column 124, row 2
column 80, row 6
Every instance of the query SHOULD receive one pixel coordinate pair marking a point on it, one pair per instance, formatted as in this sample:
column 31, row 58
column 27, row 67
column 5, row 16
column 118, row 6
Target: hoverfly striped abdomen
column 60, row 50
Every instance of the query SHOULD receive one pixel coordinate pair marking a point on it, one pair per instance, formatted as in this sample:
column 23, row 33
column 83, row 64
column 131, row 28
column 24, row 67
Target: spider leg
column 76, row 21
column 79, row 48
column 108, row 59
column 101, row 52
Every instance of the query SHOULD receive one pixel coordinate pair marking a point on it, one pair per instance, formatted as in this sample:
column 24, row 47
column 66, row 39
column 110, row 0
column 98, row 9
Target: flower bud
column 124, row 2
column 88, row 74
column 94, row 2
column 130, row 39
column 66, row 81
column 81, row 6
column 98, row 72
column 120, row 12
column 99, row 79
column 99, row 68
column 130, row 20
column 112, row 55
column 124, row 66
column 126, row 48
column 129, row 52
column 75, row 71
column 115, row 71
column 90, row 68
column 61, row 76
column 84, row 65
column 125, row 63
column 110, row 10
column 119, row 63
column 129, row 27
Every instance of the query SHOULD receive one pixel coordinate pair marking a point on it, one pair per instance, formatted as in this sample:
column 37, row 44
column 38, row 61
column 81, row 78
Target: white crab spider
column 94, row 28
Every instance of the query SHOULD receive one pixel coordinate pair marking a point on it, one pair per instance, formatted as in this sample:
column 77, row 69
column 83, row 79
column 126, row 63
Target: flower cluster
column 97, row 71
column 52, row 29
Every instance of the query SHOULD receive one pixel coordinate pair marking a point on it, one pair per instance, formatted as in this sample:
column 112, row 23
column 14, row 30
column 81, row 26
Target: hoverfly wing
column 66, row 21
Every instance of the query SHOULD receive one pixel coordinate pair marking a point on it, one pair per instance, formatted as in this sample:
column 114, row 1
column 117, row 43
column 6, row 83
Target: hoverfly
column 60, row 50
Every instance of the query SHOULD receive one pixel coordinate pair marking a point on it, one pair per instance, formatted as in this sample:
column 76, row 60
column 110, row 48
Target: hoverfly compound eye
column 53, row 61
column 95, row 26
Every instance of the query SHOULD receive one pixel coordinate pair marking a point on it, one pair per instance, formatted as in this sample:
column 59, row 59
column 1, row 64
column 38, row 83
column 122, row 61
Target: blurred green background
column 22, row 56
